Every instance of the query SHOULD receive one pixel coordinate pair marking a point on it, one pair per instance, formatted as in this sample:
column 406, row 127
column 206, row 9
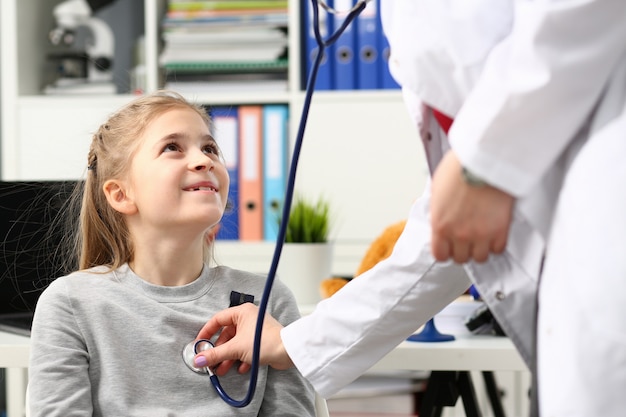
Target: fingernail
column 199, row 362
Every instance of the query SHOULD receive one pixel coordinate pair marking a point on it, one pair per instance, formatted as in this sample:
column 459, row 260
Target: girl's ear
column 117, row 197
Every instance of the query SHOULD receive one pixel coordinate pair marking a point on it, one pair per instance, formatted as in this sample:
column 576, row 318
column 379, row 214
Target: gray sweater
column 111, row 345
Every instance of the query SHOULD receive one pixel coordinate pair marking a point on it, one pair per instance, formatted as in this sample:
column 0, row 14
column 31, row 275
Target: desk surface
column 465, row 353
column 472, row 353
column 14, row 350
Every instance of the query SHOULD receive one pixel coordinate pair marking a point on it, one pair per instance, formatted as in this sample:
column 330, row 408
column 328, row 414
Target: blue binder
column 310, row 48
column 387, row 81
column 343, row 51
column 368, row 67
column 275, row 128
column 226, row 133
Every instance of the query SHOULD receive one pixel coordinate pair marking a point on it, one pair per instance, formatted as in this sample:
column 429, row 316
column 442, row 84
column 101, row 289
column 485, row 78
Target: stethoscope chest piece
column 190, row 351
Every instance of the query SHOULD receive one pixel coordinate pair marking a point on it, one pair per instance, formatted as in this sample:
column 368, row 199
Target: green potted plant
column 308, row 221
column 306, row 258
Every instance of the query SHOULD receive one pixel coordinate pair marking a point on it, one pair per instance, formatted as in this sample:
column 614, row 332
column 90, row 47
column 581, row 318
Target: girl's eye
column 171, row 147
column 211, row 148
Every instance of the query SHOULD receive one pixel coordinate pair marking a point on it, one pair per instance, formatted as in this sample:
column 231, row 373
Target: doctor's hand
column 468, row 221
column 236, row 341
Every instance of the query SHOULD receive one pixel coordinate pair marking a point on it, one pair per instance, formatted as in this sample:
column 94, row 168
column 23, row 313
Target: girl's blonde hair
column 103, row 237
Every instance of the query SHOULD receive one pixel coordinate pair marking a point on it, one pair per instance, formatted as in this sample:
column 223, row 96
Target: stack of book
column 215, row 45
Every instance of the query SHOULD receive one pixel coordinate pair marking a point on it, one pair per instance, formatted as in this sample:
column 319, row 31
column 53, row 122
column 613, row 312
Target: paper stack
column 225, row 44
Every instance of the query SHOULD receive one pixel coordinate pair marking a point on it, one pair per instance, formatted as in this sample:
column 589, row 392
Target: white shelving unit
column 360, row 149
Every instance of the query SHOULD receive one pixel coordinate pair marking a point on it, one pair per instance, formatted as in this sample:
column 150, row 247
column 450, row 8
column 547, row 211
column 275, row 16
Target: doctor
column 581, row 346
column 550, row 110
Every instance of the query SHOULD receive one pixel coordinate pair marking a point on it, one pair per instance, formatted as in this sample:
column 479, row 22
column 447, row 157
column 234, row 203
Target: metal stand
column 445, row 387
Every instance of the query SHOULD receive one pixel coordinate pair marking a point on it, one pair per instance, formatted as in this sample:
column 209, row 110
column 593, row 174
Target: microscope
column 88, row 72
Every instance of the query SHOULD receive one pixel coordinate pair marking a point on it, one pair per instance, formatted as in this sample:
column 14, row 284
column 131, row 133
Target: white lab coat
column 547, row 119
column 580, row 45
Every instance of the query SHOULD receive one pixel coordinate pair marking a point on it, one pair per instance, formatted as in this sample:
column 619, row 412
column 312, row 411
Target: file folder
column 343, row 51
column 310, row 47
column 387, row 81
column 275, row 120
column 250, row 173
column 226, row 134
column 368, row 67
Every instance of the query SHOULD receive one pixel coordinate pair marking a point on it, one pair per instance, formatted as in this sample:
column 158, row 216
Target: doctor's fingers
column 463, row 250
column 224, row 356
column 440, row 247
column 477, row 250
column 460, row 251
column 225, row 335
column 498, row 244
column 223, row 368
column 480, row 251
column 234, row 316
column 219, row 360
column 228, row 333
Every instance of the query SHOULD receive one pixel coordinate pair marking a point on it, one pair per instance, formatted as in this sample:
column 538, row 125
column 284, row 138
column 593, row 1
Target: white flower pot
column 302, row 268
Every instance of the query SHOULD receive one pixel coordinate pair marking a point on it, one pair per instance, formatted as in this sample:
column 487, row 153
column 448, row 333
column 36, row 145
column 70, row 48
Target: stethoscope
column 196, row 346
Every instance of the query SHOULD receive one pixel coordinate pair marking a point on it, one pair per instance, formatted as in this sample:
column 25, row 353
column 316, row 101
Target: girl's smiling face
column 177, row 176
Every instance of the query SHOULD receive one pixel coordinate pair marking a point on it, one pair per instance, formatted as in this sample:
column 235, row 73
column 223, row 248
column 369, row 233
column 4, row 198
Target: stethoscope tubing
column 322, row 45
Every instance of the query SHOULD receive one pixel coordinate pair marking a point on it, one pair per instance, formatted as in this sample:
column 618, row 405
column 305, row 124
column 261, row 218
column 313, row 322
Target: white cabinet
column 360, row 148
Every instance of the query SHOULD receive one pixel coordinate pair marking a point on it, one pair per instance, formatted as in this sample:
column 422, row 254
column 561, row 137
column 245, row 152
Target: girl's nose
column 202, row 162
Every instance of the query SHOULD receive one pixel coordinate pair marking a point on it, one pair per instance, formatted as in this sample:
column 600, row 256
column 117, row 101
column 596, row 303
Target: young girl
column 107, row 340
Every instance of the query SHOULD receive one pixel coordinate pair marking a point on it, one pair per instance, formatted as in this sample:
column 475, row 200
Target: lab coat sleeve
column 350, row 331
column 538, row 88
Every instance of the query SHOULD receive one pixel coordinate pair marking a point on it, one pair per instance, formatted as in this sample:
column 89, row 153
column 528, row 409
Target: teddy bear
column 380, row 249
